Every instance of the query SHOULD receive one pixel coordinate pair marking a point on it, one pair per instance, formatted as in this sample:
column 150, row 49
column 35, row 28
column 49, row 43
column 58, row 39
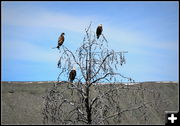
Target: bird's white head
column 74, row 68
column 100, row 25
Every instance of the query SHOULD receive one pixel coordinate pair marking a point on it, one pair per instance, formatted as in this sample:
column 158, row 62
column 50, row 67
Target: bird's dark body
column 99, row 31
column 60, row 40
column 72, row 75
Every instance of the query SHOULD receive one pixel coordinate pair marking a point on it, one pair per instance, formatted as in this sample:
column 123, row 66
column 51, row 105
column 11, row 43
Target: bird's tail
column 70, row 80
column 55, row 47
column 98, row 37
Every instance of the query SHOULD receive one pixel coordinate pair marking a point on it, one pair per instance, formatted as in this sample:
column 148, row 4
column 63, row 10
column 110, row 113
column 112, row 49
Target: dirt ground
column 21, row 103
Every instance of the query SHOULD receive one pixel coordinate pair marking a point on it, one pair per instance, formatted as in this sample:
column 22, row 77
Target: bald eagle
column 72, row 75
column 99, row 30
column 60, row 40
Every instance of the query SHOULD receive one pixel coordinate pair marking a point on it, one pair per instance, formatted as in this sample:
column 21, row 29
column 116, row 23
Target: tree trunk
column 88, row 110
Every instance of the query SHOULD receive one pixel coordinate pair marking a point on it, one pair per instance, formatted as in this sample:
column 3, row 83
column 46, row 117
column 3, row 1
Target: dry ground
column 21, row 103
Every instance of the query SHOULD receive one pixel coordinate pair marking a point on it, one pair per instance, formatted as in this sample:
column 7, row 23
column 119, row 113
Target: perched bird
column 60, row 40
column 72, row 74
column 99, row 30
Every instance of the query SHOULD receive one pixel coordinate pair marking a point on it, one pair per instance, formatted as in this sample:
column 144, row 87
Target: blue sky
column 147, row 30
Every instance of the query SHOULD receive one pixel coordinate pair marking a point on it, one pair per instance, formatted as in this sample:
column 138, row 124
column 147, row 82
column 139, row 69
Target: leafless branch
column 91, row 102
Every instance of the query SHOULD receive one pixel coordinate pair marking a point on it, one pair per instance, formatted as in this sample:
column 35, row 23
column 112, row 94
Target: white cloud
column 119, row 38
column 43, row 18
column 20, row 50
column 37, row 18
column 137, row 41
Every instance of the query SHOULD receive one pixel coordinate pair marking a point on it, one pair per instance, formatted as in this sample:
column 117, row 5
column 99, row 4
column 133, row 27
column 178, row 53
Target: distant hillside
column 22, row 103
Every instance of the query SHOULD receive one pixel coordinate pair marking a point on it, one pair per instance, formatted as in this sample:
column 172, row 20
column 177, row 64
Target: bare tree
column 87, row 101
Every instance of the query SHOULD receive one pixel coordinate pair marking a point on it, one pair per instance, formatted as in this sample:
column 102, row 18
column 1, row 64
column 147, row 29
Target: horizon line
column 97, row 83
